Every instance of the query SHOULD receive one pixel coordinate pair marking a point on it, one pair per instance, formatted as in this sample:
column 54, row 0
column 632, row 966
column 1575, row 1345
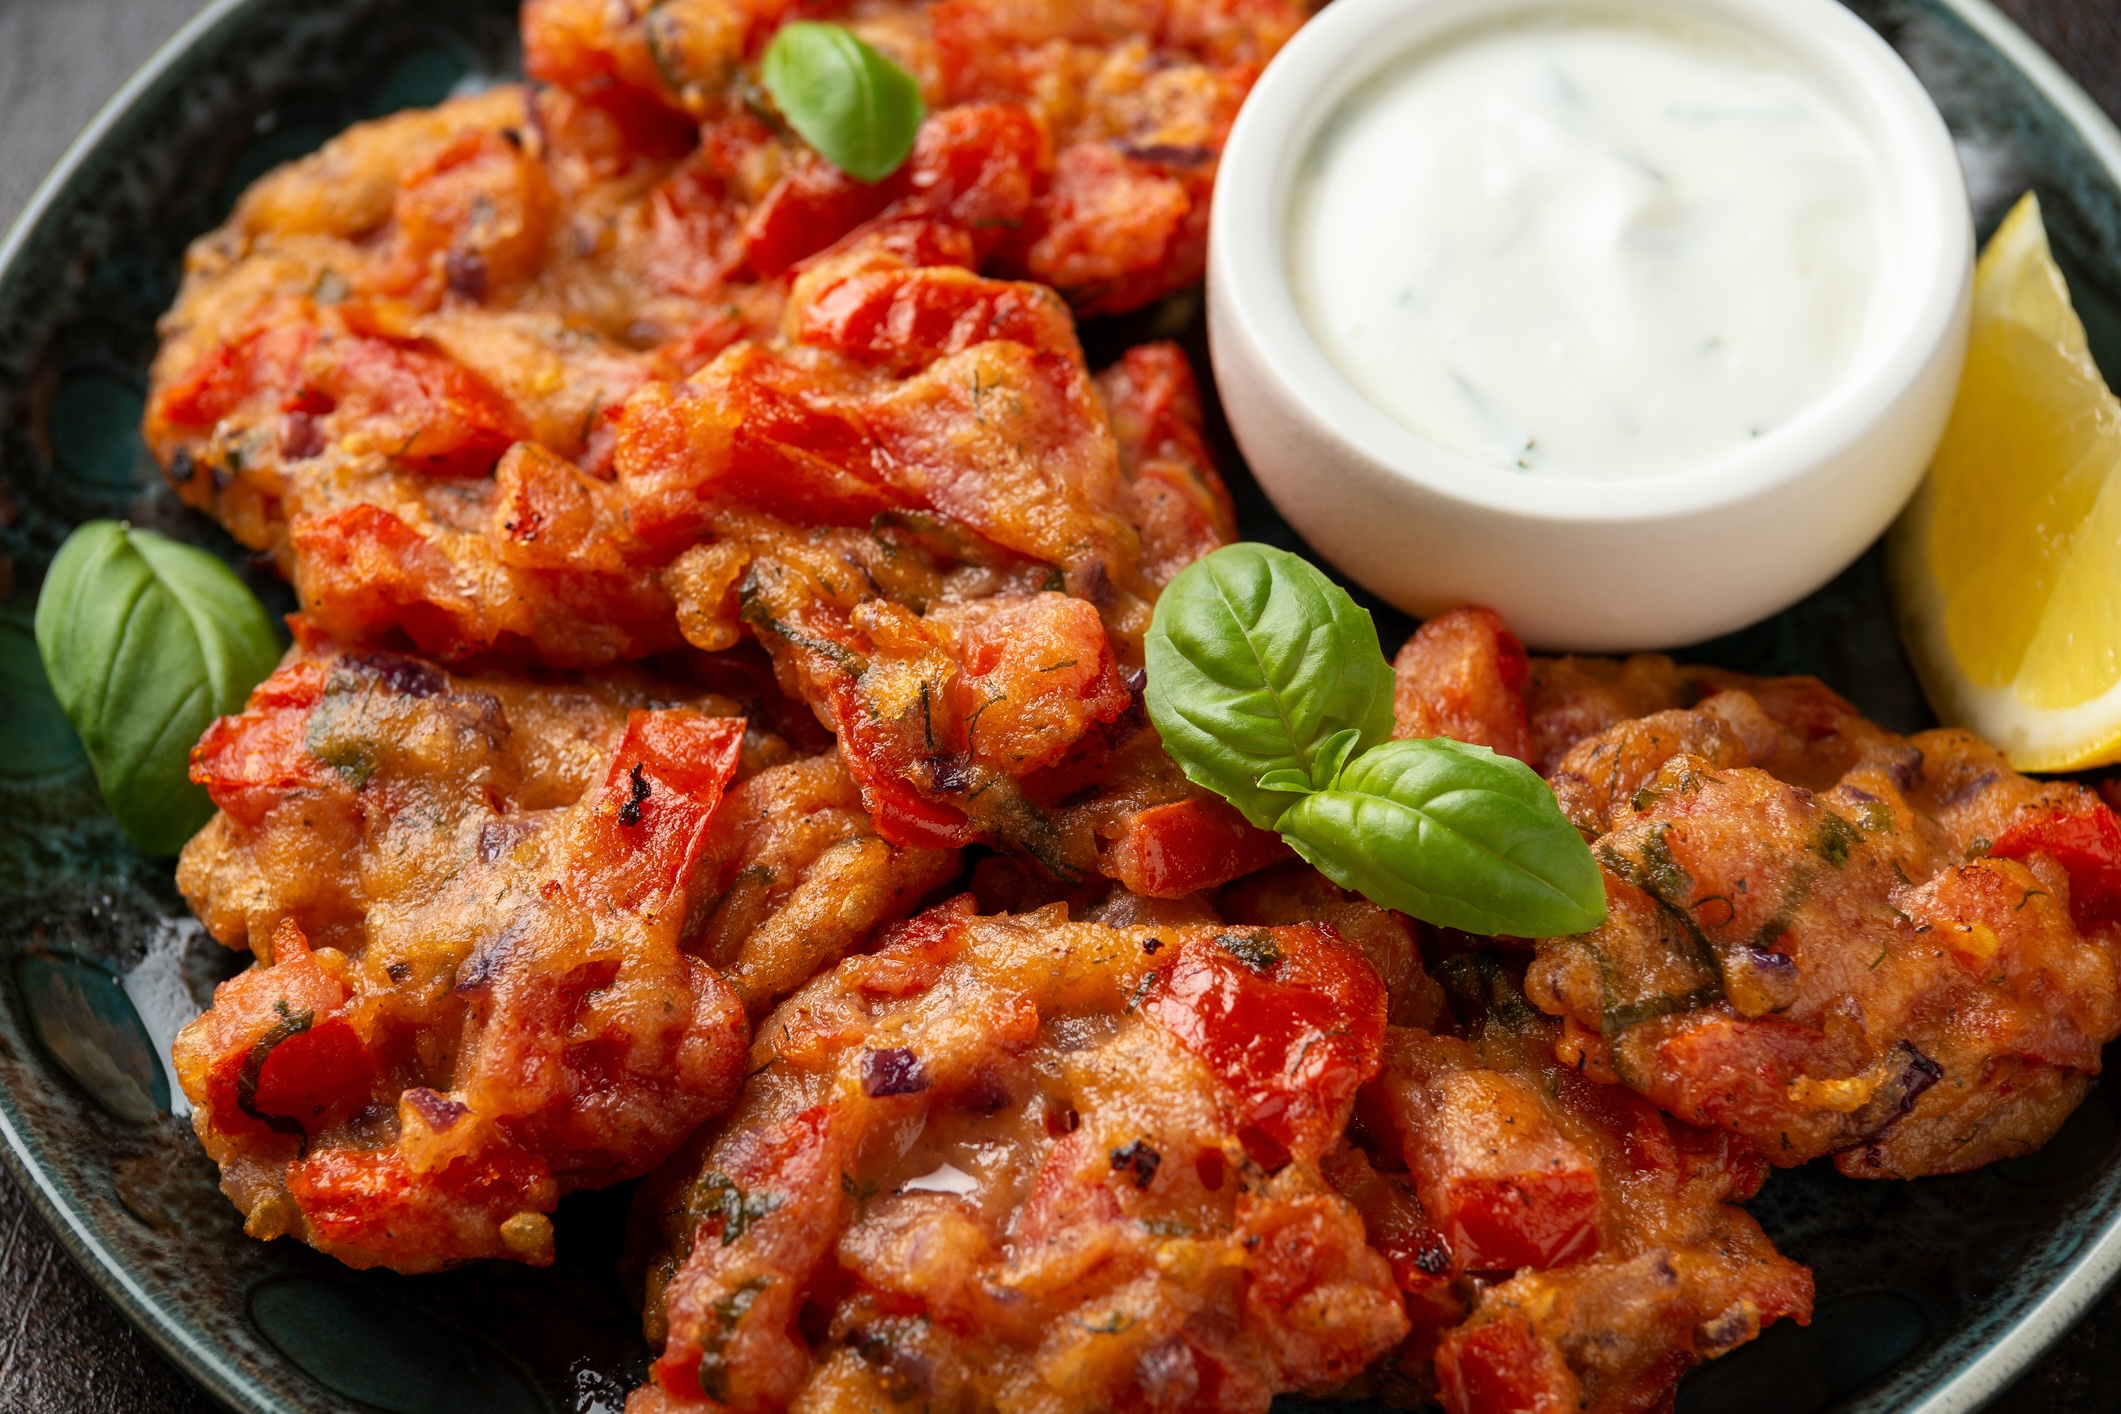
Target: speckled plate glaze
column 1932, row 1294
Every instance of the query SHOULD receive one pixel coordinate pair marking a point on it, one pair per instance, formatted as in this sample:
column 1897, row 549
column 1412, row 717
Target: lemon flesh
column 2006, row 566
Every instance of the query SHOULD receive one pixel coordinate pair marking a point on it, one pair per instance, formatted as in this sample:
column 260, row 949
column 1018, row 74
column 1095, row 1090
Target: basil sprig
column 1256, row 663
column 146, row 640
column 1268, row 687
column 857, row 108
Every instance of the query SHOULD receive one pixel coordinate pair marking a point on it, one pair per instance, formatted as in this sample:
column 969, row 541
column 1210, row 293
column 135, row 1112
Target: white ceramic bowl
column 1588, row 565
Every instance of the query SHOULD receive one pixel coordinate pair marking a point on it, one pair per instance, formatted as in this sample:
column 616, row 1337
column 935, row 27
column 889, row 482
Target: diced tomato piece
column 1501, row 1366
column 1462, row 676
column 229, row 1052
column 414, row 406
column 487, row 199
column 315, row 1075
column 975, row 166
column 373, row 1201
column 902, row 815
column 905, row 319
column 2086, row 842
column 910, row 820
column 744, row 433
column 658, row 797
column 1733, row 1073
column 1118, row 232
column 1395, row 1225
column 1290, row 1020
column 267, row 358
column 804, row 463
column 1522, row 1220
column 252, row 761
column 550, row 515
column 1155, row 404
column 363, row 572
column 810, row 207
column 1169, row 851
column 1505, row 1187
column 1181, row 502
column 425, row 411
column 1036, row 674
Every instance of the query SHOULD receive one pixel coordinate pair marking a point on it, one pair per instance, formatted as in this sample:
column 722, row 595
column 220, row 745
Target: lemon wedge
column 2006, row 567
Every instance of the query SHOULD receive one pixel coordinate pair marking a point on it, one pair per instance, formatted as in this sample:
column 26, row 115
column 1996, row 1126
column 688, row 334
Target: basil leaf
column 856, row 107
column 1455, row 835
column 1255, row 660
column 146, row 641
column 1332, row 758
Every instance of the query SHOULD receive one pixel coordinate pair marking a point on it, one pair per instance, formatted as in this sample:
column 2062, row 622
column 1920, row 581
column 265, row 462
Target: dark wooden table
column 64, row 1348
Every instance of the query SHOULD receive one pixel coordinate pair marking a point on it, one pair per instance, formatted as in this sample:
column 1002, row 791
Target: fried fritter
column 1464, row 675
column 912, row 494
column 1823, row 937
column 1561, row 1244
column 471, row 900
column 1024, row 1162
column 358, row 432
column 1131, row 103
column 971, row 696
column 1914, row 971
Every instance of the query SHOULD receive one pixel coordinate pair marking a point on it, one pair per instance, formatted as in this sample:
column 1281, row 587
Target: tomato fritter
column 1822, row 937
column 358, row 432
column 1561, row 1244
column 471, row 900
column 975, row 646
column 1025, row 1162
column 912, row 494
column 1464, row 675
column 1130, row 102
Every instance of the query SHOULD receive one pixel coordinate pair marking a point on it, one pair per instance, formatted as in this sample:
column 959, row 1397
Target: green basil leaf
column 1255, row 660
column 1332, row 758
column 856, row 107
column 146, row 641
column 1455, row 835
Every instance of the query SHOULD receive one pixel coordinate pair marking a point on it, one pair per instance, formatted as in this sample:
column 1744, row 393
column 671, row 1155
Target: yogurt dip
column 1584, row 246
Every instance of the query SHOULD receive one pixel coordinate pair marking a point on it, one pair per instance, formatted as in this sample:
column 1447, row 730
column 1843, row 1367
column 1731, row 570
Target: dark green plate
column 1932, row 1294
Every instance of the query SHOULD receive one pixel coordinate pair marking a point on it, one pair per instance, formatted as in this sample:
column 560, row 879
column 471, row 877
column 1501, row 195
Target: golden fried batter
column 912, row 494
column 470, row 901
column 1561, row 1243
column 1019, row 1162
column 1130, row 103
column 1823, row 938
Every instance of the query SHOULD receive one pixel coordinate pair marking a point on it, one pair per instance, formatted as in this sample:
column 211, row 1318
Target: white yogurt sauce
column 1590, row 249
